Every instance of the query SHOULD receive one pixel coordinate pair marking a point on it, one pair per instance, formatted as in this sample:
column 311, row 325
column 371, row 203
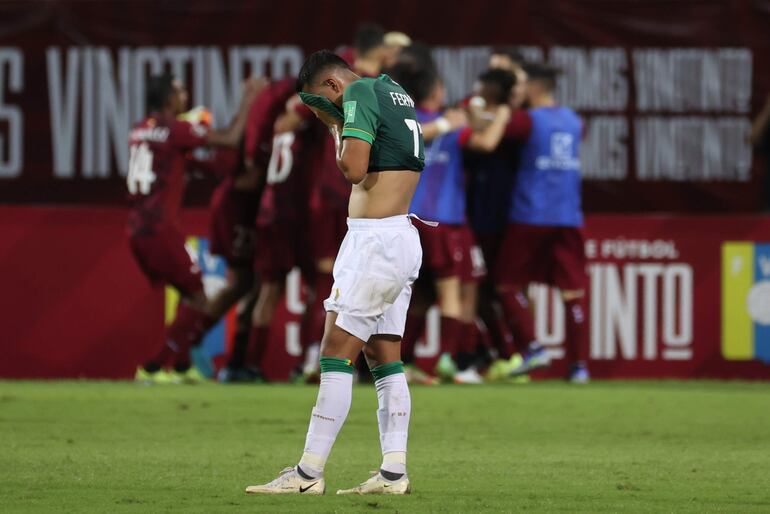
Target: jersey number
column 140, row 175
column 281, row 159
column 416, row 129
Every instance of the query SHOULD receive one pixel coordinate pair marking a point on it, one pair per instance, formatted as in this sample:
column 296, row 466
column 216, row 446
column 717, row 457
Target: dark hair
column 419, row 83
column 368, row 37
column 542, row 73
column 418, row 56
column 511, row 52
column 502, row 79
column 157, row 91
column 317, row 63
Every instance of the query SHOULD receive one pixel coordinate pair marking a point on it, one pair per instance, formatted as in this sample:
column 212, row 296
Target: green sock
column 385, row 370
column 336, row 364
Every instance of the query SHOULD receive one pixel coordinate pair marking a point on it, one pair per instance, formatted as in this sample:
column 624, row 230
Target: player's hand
column 287, row 122
column 336, row 132
column 456, row 118
column 290, row 120
column 251, row 87
column 292, row 103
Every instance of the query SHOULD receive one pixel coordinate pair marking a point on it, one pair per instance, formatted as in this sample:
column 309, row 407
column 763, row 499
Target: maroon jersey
column 158, row 156
column 289, row 175
column 333, row 186
column 269, row 104
column 223, row 163
column 329, row 186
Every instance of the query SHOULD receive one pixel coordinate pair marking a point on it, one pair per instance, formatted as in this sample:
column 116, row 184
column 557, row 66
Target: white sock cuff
column 394, row 458
column 389, row 382
column 337, row 376
column 313, row 461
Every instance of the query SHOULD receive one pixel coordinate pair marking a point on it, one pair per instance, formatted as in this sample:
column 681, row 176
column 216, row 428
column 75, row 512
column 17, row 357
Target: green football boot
column 191, row 377
column 160, row 377
column 446, row 367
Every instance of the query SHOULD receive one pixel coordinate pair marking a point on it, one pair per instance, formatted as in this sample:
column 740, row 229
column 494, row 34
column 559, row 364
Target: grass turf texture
column 649, row 446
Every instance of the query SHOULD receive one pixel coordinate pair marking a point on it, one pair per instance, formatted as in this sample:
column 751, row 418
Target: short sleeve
column 361, row 111
column 520, row 126
column 188, row 135
column 464, row 135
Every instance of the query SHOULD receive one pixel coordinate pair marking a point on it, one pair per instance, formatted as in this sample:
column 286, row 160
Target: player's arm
column 296, row 114
column 231, row 136
column 488, row 138
column 452, row 119
column 352, row 155
column 358, row 131
column 761, row 124
column 217, row 163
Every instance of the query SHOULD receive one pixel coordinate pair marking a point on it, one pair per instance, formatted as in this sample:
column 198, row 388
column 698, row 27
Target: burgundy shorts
column 451, row 251
column 547, row 255
column 232, row 228
column 490, row 246
column 328, row 226
column 164, row 260
column 281, row 247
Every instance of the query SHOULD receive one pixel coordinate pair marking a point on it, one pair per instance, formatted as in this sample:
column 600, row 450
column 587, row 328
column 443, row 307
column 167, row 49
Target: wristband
column 443, row 125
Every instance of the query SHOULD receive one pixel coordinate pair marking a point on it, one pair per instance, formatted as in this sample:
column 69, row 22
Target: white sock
column 328, row 416
column 393, row 420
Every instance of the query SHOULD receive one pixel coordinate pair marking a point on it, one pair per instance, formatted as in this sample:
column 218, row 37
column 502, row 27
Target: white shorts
column 373, row 274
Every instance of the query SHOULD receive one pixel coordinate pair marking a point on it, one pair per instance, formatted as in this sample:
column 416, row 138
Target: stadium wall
column 671, row 296
column 667, row 101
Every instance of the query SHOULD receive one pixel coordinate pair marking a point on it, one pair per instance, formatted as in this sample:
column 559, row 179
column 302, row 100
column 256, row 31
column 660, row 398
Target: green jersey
column 380, row 112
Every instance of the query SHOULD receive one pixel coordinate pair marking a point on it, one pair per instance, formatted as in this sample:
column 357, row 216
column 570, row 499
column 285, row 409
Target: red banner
column 671, row 296
column 667, row 89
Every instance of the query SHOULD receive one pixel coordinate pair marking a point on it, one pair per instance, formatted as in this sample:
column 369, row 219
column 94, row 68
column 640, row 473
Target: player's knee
column 382, row 349
column 449, row 300
column 338, row 343
column 263, row 309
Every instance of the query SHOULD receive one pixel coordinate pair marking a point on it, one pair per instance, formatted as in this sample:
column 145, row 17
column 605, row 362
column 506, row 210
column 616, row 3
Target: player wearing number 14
column 159, row 150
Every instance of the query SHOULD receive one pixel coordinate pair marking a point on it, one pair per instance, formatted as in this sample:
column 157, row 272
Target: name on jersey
column 401, row 99
column 155, row 134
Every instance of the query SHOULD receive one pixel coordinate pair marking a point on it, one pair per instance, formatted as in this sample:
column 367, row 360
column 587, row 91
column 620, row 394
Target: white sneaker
column 289, row 481
column 380, row 485
column 469, row 376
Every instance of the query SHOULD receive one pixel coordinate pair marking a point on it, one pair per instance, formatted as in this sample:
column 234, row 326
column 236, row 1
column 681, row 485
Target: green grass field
column 608, row 447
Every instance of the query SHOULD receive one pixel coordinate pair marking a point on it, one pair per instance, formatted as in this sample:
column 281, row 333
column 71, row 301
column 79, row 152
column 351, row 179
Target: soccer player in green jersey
column 380, row 152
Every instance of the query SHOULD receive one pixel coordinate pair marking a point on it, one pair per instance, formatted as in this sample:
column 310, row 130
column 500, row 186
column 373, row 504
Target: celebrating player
column 490, row 179
column 283, row 210
column 379, row 151
column 546, row 219
column 159, row 146
column 452, row 259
